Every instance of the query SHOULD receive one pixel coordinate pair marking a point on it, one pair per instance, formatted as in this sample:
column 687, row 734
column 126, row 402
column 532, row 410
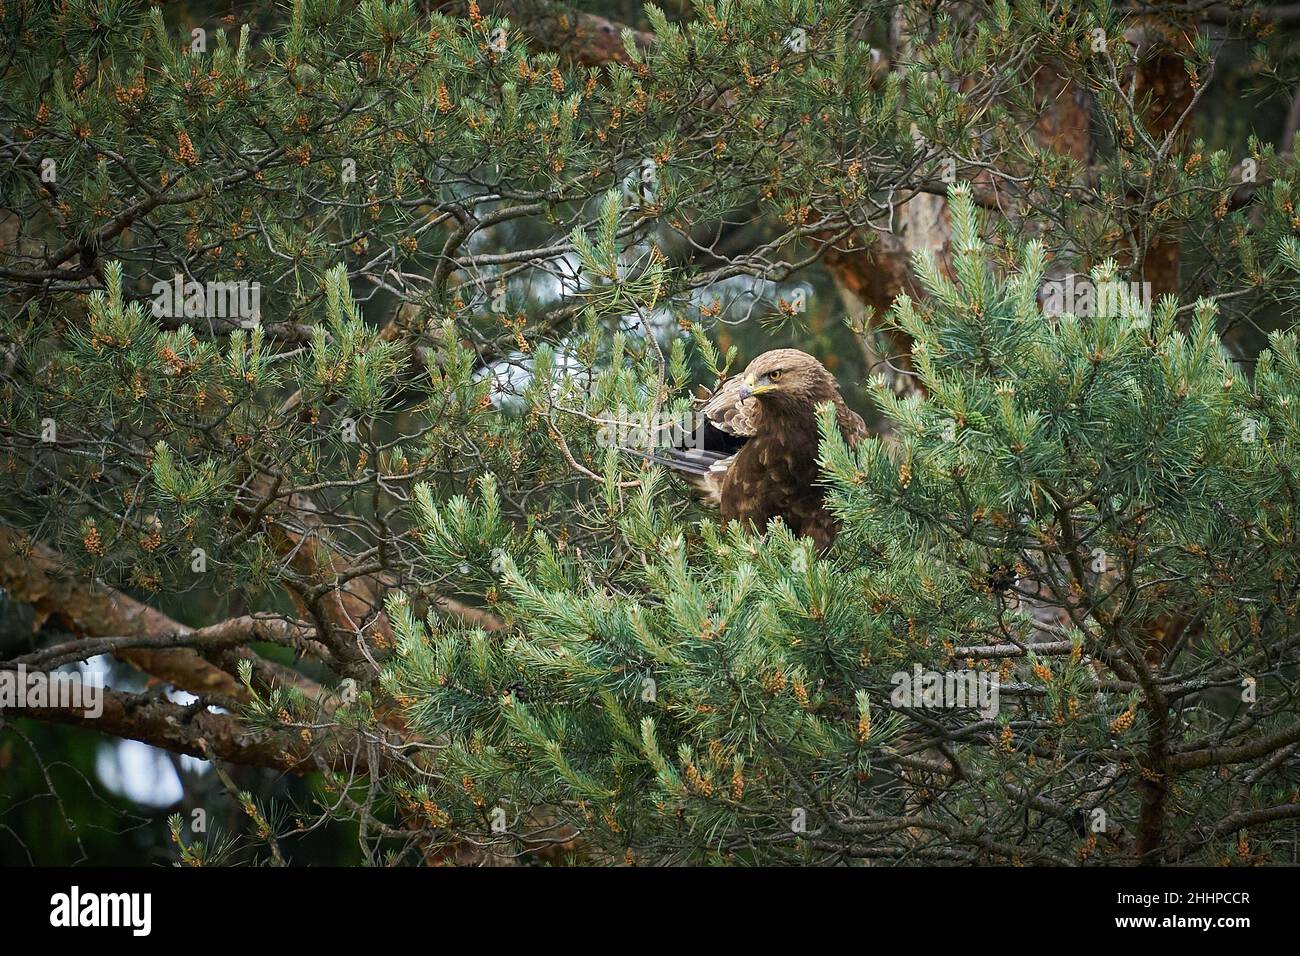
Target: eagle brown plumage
column 759, row 454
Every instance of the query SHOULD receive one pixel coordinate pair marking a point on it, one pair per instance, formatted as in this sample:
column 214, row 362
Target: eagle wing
column 852, row 427
column 726, row 411
column 726, row 422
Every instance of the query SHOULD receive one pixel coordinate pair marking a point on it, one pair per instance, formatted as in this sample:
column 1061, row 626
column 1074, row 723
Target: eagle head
column 787, row 381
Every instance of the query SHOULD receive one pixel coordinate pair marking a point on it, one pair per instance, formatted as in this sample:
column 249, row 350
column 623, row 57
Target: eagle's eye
column 774, row 375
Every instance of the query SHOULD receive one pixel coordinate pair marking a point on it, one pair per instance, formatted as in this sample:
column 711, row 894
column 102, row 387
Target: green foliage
column 697, row 702
column 485, row 261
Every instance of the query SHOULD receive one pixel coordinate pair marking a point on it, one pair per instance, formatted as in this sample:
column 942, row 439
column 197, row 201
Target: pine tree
column 1068, row 499
column 325, row 330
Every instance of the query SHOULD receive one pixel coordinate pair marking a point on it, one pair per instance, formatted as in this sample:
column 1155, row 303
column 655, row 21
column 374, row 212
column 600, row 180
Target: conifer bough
column 315, row 322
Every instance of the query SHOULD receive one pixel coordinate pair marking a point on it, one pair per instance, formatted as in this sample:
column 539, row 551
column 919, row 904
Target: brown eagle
column 758, row 454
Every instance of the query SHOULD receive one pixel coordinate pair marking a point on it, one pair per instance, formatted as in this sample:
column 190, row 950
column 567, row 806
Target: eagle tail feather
column 697, row 463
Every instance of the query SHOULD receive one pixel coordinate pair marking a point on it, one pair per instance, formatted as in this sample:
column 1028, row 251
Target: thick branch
column 34, row 574
column 183, row 729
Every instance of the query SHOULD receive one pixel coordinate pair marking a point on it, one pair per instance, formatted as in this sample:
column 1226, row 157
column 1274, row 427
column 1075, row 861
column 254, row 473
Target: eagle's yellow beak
column 748, row 389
